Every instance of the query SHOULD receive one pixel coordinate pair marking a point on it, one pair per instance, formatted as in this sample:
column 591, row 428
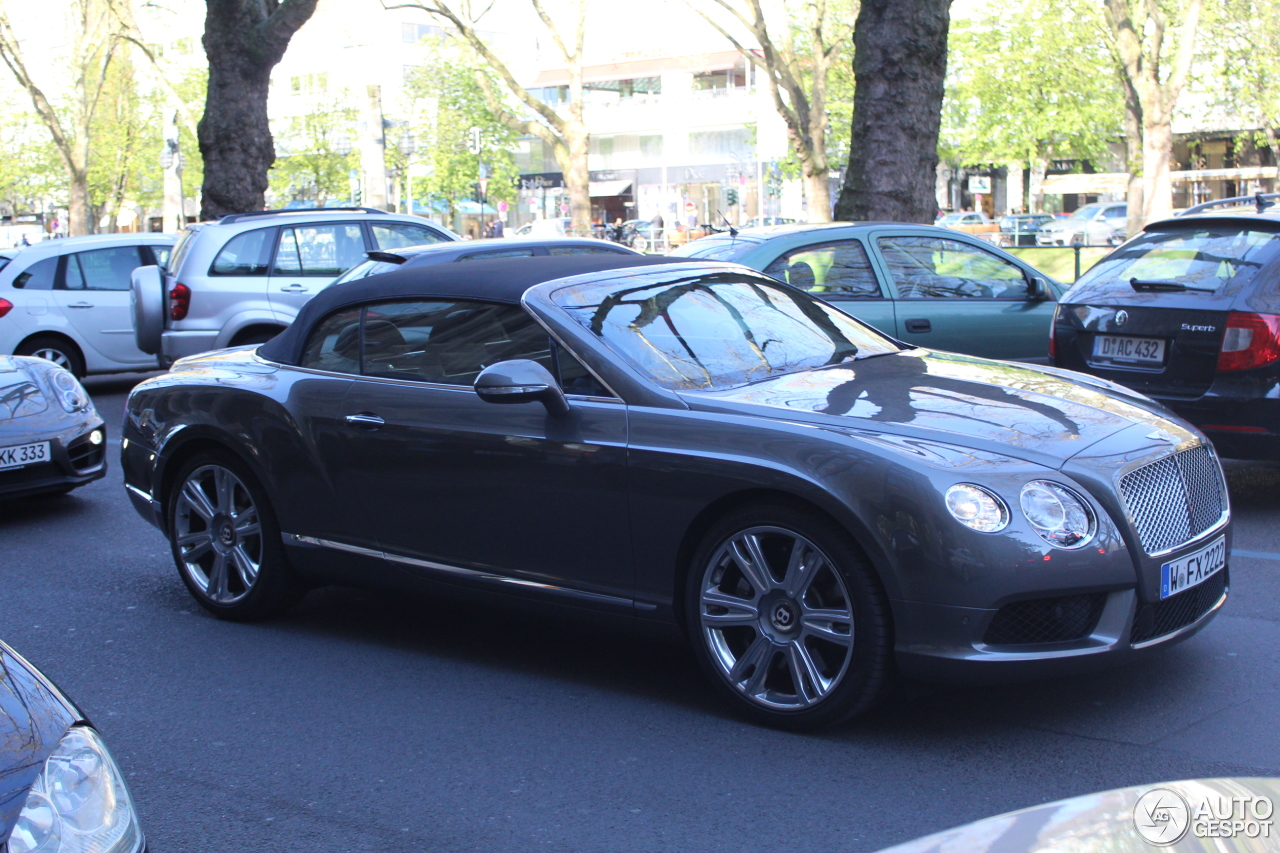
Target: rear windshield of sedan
column 1212, row 260
column 711, row 332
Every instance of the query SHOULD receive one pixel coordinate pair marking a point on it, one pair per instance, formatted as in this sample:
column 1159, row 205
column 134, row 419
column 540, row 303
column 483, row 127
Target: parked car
column 68, row 301
column 51, row 437
column 1019, row 229
column 60, row 789
column 969, row 222
column 1221, row 815
column 515, row 247
column 697, row 445
column 556, row 227
column 1091, row 225
column 1188, row 313
column 242, row 279
column 760, row 221
column 923, row 285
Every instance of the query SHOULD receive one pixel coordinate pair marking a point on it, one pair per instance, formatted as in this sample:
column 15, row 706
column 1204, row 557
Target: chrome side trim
column 458, row 571
column 1185, row 629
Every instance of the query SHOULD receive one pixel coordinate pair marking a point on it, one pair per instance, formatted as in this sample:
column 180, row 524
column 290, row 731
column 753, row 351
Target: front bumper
column 943, row 643
column 75, row 462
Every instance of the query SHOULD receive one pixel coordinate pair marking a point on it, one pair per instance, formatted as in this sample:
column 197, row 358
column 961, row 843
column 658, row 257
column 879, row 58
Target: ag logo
column 1121, row 318
column 1161, row 817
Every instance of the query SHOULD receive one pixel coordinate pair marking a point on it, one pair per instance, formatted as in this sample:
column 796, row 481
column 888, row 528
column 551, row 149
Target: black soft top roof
column 498, row 280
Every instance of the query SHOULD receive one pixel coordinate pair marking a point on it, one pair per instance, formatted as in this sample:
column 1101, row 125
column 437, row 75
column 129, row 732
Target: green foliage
column 449, row 102
column 1031, row 80
column 1240, row 76
column 308, row 162
column 31, row 168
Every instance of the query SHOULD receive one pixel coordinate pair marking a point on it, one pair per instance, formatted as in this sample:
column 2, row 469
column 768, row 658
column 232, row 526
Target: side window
column 839, row 270
column 102, row 269
column 38, row 276
column 395, row 235
column 576, row 379
column 933, row 268
column 161, row 255
column 335, row 343
column 448, row 342
column 319, row 250
column 498, row 253
column 244, row 254
column 582, row 250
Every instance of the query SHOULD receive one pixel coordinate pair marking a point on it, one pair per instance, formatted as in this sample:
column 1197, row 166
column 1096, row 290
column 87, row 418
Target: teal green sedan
column 932, row 287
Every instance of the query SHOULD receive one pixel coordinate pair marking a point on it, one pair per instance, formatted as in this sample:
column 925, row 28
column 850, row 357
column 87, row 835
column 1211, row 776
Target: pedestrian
column 658, row 223
column 617, row 230
column 497, row 229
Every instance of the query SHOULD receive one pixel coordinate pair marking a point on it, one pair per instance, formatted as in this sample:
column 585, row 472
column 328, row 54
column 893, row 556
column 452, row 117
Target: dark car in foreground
column 60, row 790
column 934, row 287
column 51, row 437
column 690, row 444
column 487, row 250
column 1188, row 313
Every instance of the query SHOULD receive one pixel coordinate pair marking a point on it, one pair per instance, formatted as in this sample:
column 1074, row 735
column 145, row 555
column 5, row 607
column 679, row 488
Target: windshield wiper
column 1166, row 286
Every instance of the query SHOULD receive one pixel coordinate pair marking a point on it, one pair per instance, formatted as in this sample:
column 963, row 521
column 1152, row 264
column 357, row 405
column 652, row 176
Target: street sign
column 980, row 184
column 502, row 207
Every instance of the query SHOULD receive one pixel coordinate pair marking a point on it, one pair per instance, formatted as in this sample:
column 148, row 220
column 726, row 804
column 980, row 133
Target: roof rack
column 1259, row 200
column 236, row 217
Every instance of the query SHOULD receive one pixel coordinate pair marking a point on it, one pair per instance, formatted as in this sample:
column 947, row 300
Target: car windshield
column 1087, row 212
column 1212, row 260
column 712, row 249
column 707, row 332
column 951, row 219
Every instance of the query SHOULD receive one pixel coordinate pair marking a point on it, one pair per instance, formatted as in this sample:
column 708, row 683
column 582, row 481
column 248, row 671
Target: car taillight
column 1251, row 340
column 1053, row 342
column 5, row 307
column 179, row 302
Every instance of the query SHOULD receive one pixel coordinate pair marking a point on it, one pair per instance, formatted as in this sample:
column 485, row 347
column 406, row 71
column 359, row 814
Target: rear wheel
column 788, row 618
column 226, row 541
column 58, row 350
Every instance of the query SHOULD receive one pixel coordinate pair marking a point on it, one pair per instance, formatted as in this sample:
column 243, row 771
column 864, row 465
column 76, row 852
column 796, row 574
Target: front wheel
column 226, row 541
column 788, row 618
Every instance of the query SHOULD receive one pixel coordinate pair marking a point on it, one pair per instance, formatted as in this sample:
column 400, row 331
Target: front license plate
column 1185, row 572
column 24, row 454
column 1134, row 350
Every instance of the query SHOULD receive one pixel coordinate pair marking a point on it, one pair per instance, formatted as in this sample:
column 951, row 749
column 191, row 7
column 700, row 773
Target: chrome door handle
column 293, row 288
column 365, row 420
column 80, row 305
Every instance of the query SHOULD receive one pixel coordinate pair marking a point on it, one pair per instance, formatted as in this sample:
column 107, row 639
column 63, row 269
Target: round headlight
column 974, row 506
column 70, row 393
column 1060, row 516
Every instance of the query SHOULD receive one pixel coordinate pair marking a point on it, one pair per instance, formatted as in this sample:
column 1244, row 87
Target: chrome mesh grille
column 1175, row 499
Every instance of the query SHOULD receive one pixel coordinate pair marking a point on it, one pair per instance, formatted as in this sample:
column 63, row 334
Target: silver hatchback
column 243, row 278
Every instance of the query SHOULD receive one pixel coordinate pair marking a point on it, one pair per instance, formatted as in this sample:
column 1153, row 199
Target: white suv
column 67, row 300
column 242, row 279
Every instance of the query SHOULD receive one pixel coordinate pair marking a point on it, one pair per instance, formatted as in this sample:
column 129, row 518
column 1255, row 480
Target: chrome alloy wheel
column 777, row 618
column 58, row 357
column 218, row 534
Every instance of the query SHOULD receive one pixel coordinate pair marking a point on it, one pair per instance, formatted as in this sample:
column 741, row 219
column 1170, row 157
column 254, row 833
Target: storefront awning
column 600, row 189
column 1095, row 184
column 1243, row 173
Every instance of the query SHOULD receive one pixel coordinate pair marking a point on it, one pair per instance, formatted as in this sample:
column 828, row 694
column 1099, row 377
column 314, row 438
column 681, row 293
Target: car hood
column 20, row 395
column 34, row 716
column 1039, row 415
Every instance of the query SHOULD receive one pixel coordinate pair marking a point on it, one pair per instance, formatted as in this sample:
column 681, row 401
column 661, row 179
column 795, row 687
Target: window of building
column 721, row 143
column 412, row 33
column 723, row 80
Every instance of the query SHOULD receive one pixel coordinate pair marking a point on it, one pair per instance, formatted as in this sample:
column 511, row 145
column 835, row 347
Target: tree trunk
column 1133, row 160
column 817, row 188
column 1036, row 189
column 899, row 65
column 572, row 158
column 243, row 41
column 79, row 211
column 1157, row 184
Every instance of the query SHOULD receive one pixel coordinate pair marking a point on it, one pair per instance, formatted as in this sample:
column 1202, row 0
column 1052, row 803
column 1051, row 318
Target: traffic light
column 731, row 197
column 359, row 195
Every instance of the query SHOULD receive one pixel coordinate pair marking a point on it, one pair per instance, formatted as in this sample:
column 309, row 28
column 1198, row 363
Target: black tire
column 60, row 351
column 856, row 678
column 273, row 587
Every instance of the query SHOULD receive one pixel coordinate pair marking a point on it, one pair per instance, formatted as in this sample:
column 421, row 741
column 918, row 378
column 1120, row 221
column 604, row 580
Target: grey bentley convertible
column 817, row 506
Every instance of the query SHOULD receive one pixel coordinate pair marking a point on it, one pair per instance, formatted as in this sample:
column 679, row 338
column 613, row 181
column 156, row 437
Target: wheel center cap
column 226, row 534
column 783, row 615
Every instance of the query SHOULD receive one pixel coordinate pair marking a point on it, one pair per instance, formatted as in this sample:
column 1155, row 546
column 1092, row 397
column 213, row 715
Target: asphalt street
column 364, row 721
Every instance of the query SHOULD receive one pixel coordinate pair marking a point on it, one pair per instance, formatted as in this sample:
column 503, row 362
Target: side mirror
column 521, row 380
column 1037, row 289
